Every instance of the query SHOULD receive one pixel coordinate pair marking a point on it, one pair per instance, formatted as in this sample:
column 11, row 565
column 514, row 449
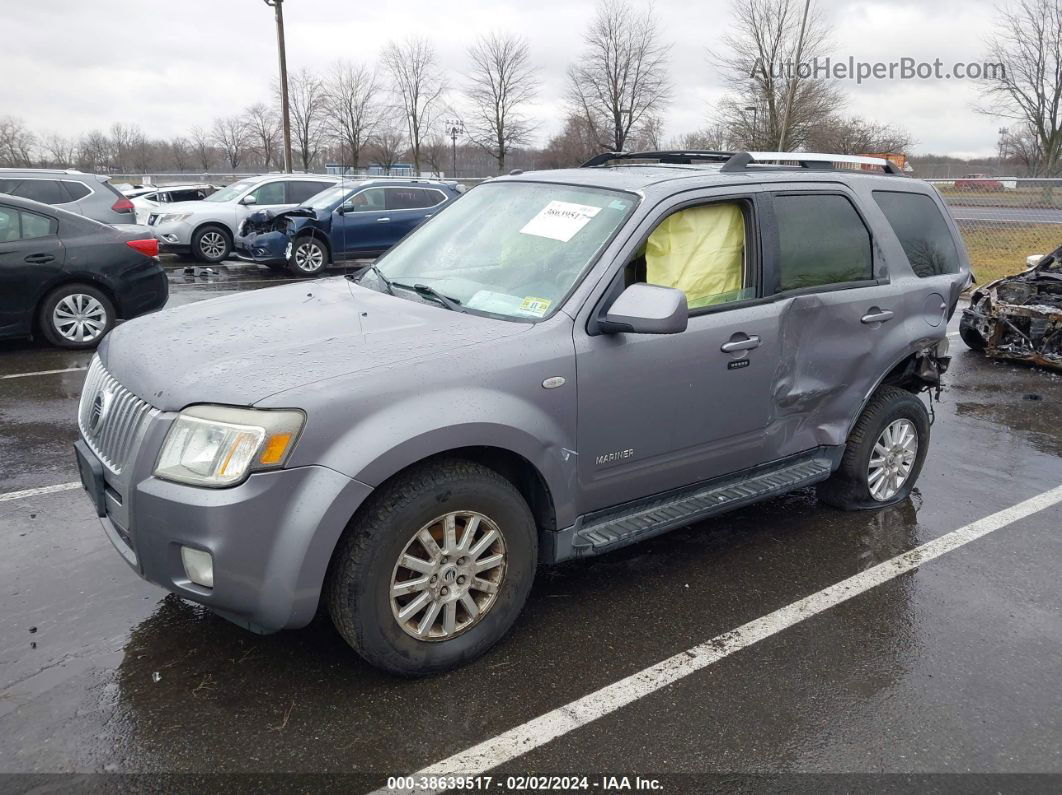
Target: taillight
column 149, row 247
column 123, row 205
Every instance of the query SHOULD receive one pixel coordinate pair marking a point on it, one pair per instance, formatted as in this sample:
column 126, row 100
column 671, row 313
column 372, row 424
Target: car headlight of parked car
column 170, row 218
column 218, row 446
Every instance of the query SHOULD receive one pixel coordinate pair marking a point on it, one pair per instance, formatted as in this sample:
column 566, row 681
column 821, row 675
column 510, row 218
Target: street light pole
column 795, row 78
column 455, row 130
column 278, row 6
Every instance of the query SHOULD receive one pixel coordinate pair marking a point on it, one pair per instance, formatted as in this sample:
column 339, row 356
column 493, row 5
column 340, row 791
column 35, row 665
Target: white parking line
column 18, row 495
column 44, row 372
column 541, row 730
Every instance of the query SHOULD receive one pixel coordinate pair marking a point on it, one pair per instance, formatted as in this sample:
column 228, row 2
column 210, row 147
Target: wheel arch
column 320, row 236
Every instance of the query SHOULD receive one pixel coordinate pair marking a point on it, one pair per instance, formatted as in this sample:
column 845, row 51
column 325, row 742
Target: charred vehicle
column 559, row 364
column 1019, row 317
column 353, row 220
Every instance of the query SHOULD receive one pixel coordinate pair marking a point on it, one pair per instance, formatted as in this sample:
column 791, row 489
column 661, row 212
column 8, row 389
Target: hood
column 243, row 348
column 275, row 220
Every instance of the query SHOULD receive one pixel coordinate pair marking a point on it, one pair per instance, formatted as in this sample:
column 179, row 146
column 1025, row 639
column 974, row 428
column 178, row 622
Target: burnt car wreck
column 1019, row 317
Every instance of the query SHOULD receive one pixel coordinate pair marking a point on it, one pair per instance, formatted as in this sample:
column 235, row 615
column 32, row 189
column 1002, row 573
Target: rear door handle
column 382, row 220
column 876, row 315
column 40, row 258
column 735, row 345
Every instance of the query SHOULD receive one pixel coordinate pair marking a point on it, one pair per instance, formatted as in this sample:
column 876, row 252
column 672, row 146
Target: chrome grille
column 110, row 417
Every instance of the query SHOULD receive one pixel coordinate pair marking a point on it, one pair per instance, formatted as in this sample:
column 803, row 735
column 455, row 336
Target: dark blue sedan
column 352, row 220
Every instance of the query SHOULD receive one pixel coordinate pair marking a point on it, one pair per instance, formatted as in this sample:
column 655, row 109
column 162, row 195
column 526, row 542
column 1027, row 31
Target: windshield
column 331, row 197
column 513, row 249
column 230, row 193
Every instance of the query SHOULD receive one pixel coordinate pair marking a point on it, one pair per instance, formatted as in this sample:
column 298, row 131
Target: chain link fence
column 1004, row 220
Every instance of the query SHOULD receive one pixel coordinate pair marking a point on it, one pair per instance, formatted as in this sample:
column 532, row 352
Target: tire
column 851, row 488
column 365, row 567
column 211, row 243
column 309, row 256
column 76, row 316
column 971, row 336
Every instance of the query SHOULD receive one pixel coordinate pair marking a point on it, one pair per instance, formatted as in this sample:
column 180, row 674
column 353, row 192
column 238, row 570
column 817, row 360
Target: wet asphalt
column 952, row 668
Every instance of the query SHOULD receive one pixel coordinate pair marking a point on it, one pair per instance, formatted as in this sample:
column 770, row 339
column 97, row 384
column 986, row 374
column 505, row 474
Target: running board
column 615, row 528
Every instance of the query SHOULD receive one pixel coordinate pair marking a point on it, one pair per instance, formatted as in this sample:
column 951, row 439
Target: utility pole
column 755, row 129
column 455, row 130
column 278, row 6
column 794, row 79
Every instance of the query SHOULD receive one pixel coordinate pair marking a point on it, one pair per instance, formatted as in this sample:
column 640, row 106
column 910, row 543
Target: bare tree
column 16, row 142
column 715, row 137
column 621, row 79
column 857, row 136
column 352, row 108
column 389, row 145
column 94, row 152
column 306, row 101
column 500, row 84
column 230, row 134
column 438, row 154
column 575, row 144
column 1028, row 87
column 758, row 63
column 122, row 140
column 181, row 153
column 417, row 85
column 61, row 150
column 203, row 148
column 263, row 132
column 141, row 152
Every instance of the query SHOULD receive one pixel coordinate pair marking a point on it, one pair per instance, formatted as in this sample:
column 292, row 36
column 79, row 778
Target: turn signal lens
column 274, row 448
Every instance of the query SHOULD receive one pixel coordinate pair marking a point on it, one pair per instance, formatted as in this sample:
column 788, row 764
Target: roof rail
column 674, row 157
column 810, row 160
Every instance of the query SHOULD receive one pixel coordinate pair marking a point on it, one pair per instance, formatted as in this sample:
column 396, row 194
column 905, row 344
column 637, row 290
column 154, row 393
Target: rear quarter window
column 922, row 231
column 76, row 190
column 822, row 240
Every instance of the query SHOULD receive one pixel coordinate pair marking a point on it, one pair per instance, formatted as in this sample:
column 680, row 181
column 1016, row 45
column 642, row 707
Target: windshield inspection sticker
column 560, row 220
column 535, row 306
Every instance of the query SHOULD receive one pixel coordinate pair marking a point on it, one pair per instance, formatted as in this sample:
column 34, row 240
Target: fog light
column 198, row 566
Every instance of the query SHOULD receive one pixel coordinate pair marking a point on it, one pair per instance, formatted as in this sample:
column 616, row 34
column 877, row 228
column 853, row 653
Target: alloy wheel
column 309, row 257
column 212, row 244
column 892, row 459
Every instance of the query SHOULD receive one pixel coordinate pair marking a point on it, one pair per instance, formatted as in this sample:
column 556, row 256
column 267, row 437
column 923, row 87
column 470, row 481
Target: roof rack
column 809, row 160
column 682, row 157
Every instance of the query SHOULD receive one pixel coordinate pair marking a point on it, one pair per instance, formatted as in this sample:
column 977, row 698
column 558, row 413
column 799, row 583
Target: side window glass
column 300, row 191
column 821, row 240
column 433, row 198
column 46, row 191
column 8, row 225
column 922, row 230
column 701, row 251
column 76, row 190
column 270, row 193
column 34, row 225
column 404, row 199
column 371, row 200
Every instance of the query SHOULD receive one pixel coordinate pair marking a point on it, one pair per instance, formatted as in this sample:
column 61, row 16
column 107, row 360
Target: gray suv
column 90, row 195
column 557, row 365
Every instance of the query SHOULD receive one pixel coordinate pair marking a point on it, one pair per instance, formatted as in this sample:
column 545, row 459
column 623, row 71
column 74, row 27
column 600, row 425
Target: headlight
column 173, row 217
column 219, row 445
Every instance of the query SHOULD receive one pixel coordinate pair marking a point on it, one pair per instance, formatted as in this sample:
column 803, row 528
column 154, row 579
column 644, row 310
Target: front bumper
column 263, row 247
column 271, row 537
column 173, row 236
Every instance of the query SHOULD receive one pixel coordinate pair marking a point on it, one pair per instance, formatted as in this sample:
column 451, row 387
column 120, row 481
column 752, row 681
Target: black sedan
column 69, row 277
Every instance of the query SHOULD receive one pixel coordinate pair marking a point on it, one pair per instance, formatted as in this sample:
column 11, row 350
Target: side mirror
column 249, row 199
column 647, row 309
column 343, row 209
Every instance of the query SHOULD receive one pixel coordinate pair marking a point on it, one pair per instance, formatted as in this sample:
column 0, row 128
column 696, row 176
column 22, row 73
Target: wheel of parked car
column 309, row 256
column 884, row 453
column 435, row 569
column 211, row 243
column 76, row 316
column 971, row 336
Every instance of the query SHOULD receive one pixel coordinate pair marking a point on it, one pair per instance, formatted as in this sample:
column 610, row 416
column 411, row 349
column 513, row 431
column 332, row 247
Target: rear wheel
column 309, row 257
column 435, row 570
column 211, row 244
column 76, row 316
column 884, row 453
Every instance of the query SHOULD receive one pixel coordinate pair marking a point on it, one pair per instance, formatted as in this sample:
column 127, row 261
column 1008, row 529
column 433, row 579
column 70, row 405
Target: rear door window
column 46, row 191
column 300, row 191
column 8, row 224
column 76, row 190
column 922, row 230
column 822, row 240
column 34, row 225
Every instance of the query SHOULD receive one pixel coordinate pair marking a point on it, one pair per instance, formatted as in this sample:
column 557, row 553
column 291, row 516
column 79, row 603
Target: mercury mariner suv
column 557, row 365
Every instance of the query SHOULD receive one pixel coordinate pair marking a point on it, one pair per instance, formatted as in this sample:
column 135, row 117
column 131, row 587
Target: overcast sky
column 72, row 65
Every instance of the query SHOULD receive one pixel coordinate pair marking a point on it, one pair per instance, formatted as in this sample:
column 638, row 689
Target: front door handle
column 40, row 258
column 876, row 315
column 743, row 344
column 382, row 220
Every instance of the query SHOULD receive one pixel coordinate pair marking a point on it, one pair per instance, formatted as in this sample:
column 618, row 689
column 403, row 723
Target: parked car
column 148, row 201
column 206, row 228
column 90, row 195
column 557, row 365
column 347, row 221
column 69, row 277
column 1019, row 317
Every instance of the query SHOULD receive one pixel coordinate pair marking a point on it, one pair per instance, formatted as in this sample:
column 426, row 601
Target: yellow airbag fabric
column 700, row 251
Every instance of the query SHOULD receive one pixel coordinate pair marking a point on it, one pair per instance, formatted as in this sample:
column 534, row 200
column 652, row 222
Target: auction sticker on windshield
column 560, row 220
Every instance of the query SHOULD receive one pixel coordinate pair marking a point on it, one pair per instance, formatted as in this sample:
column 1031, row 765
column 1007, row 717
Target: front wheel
column 211, row 244
column 435, row 570
column 308, row 257
column 883, row 455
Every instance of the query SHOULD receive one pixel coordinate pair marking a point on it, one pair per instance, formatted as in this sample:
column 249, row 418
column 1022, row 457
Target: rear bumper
column 143, row 290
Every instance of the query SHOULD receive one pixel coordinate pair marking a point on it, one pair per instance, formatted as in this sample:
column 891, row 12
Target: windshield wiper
column 430, row 292
column 379, row 275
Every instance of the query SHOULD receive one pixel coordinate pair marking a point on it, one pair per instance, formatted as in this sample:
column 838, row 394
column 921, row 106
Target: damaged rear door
column 841, row 321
